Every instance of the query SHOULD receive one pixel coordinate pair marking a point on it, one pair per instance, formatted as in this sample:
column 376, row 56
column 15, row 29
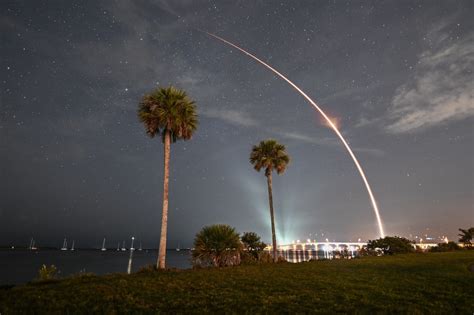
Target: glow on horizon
column 330, row 123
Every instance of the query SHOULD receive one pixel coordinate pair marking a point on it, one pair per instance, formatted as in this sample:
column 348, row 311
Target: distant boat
column 140, row 248
column 123, row 249
column 177, row 248
column 33, row 247
column 103, row 246
column 64, row 245
column 72, row 247
column 118, row 246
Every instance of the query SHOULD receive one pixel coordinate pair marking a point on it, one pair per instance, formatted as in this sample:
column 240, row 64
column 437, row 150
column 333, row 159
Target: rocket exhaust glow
column 326, row 117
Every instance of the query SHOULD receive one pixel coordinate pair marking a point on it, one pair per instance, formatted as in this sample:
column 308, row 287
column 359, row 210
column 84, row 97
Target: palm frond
column 168, row 109
column 269, row 155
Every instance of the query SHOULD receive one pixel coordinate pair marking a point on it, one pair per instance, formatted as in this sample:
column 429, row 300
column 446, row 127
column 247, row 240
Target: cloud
column 242, row 119
column 442, row 90
column 231, row 116
column 332, row 142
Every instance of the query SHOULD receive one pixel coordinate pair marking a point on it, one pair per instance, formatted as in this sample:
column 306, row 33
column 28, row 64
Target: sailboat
column 103, row 246
column 31, row 244
column 140, row 248
column 177, row 248
column 33, row 247
column 118, row 246
column 64, row 245
column 72, row 247
column 123, row 249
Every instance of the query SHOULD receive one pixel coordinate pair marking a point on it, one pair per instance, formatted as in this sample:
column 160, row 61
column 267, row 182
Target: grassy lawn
column 416, row 283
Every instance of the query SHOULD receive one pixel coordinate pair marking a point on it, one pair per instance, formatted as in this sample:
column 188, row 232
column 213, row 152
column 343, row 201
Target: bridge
column 330, row 246
column 299, row 252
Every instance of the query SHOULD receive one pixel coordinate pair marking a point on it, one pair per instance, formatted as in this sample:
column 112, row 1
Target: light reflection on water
column 297, row 255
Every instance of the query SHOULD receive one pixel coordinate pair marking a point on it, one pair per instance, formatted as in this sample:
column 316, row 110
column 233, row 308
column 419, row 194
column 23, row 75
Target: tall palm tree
column 270, row 155
column 168, row 112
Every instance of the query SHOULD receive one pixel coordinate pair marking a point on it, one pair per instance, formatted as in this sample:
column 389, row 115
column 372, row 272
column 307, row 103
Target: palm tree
column 270, row 155
column 217, row 245
column 168, row 112
column 466, row 237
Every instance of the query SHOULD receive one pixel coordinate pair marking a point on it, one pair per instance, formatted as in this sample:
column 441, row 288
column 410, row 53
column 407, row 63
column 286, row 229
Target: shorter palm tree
column 217, row 245
column 270, row 155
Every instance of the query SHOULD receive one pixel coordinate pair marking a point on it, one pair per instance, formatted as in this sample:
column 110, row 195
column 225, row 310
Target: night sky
column 75, row 162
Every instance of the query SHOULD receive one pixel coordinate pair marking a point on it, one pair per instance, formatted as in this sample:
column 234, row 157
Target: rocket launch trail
column 326, row 117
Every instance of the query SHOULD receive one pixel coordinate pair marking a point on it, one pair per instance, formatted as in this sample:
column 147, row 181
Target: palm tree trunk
column 270, row 200
column 164, row 219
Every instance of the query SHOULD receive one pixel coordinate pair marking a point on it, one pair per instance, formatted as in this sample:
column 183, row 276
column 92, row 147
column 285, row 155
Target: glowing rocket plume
column 330, row 123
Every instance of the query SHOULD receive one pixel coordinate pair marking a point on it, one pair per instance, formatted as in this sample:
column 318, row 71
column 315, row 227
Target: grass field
column 414, row 283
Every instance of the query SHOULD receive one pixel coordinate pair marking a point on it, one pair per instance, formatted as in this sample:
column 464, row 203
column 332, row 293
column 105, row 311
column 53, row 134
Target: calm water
column 20, row 266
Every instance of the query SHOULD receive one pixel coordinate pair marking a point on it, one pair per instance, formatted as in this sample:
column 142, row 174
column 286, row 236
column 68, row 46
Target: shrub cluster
column 445, row 247
column 390, row 245
column 220, row 245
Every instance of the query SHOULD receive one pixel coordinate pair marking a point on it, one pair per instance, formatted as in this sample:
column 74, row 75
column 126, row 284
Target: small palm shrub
column 217, row 245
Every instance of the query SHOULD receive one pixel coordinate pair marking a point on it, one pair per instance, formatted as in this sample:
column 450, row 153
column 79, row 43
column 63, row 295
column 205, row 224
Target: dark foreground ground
column 416, row 283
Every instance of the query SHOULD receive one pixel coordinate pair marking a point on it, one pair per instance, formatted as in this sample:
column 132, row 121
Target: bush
column 147, row 269
column 390, row 245
column 47, row 273
column 217, row 245
column 364, row 252
column 247, row 258
column 445, row 247
column 252, row 245
column 266, row 258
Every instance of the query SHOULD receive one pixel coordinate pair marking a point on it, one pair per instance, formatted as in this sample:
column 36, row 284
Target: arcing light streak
column 329, row 121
